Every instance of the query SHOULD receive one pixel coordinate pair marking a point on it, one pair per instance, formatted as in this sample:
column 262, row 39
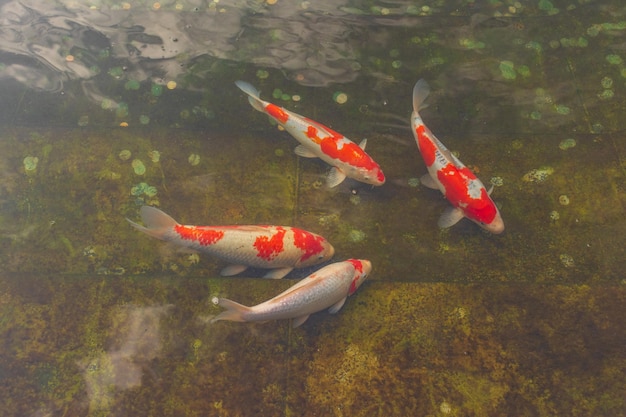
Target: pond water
column 108, row 106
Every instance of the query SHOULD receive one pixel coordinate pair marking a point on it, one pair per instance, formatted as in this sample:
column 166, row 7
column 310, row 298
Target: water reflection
column 135, row 341
column 45, row 44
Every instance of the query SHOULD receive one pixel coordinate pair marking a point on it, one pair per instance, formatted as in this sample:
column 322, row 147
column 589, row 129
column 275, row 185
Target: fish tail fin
column 420, row 92
column 234, row 311
column 253, row 94
column 157, row 222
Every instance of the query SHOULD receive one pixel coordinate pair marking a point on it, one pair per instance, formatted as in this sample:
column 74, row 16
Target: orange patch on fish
column 426, row 145
column 203, row 236
column 269, row 248
column 277, row 112
column 309, row 243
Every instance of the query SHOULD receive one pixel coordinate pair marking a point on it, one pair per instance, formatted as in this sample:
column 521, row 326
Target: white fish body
column 318, row 141
column 326, row 288
column 278, row 248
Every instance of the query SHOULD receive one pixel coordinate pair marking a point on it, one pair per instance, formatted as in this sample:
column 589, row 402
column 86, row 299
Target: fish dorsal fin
column 363, row 144
column 337, row 306
column 231, row 270
column 450, row 217
column 335, row 177
column 428, row 181
column 304, row 152
column 299, row 320
column 278, row 273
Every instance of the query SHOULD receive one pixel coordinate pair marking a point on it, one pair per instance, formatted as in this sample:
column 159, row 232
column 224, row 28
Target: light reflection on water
column 109, row 322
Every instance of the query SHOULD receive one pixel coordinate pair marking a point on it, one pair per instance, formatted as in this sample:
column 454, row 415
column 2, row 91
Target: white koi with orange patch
column 318, row 141
column 327, row 288
column 446, row 172
column 279, row 248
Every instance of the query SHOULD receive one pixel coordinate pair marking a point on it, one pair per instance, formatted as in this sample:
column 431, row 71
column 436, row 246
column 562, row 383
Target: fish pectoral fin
column 304, row 152
column 428, row 181
column 490, row 189
column 335, row 177
column 363, row 144
column 450, row 217
column 337, row 306
column 299, row 320
column 278, row 273
column 231, row 270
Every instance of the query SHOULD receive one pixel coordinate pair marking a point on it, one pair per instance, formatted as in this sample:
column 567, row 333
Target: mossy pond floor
column 98, row 319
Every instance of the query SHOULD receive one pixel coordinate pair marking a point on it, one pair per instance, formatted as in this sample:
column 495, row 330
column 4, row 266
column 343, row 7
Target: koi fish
column 279, row 248
column 318, row 141
column 326, row 288
column 466, row 193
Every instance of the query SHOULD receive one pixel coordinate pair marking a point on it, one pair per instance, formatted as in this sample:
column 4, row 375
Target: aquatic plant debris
column 30, row 163
column 125, row 155
column 194, row 159
column 507, row 69
column 138, row 167
column 143, row 189
column 566, row 144
column 538, row 175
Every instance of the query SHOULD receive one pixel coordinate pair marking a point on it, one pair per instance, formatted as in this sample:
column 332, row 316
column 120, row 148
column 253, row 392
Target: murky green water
column 98, row 319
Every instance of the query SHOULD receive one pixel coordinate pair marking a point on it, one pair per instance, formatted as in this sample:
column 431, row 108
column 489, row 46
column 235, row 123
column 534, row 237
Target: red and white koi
column 446, row 172
column 279, row 248
column 318, row 141
column 326, row 288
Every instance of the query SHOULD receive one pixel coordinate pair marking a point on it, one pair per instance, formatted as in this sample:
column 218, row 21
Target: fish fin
column 278, row 273
column 157, row 222
column 304, row 152
column 363, row 144
column 490, row 190
column 253, row 95
column 234, row 311
column 335, row 177
column 420, row 92
column 450, row 217
column 231, row 270
column 428, row 181
column 299, row 320
column 337, row 306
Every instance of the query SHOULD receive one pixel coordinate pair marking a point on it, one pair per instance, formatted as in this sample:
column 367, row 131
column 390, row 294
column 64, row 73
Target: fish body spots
column 307, row 242
column 358, row 275
column 426, row 144
column 463, row 190
column 346, row 151
column 277, row 113
column 311, row 133
column 269, row 248
column 203, row 235
column 338, row 147
column 358, row 265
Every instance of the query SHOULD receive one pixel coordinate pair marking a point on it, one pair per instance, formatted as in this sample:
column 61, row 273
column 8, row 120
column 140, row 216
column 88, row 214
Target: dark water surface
column 108, row 106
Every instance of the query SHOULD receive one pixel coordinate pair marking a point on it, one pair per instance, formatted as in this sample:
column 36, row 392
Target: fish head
column 371, row 175
column 316, row 250
column 496, row 226
column 362, row 269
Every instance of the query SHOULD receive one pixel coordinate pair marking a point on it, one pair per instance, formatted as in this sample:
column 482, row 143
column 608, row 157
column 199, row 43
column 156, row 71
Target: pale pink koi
column 328, row 287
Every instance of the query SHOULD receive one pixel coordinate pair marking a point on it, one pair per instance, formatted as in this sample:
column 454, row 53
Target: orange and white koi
column 326, row 288
column 318, row 141
column 446, row 172
column 279, row 248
